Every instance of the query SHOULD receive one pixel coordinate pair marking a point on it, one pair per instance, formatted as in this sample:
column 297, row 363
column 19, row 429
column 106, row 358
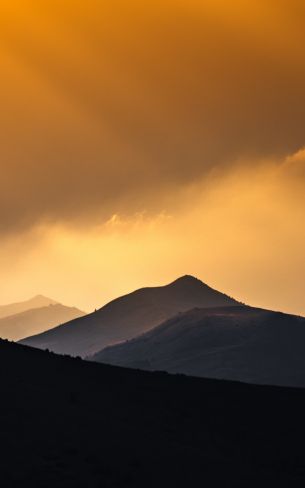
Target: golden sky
column 145, row 140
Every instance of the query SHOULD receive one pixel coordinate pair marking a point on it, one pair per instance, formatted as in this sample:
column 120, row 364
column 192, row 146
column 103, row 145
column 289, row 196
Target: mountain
column 38, row 301
column 128, row 316
column 69, row 423
column 236, row 343
column 36, row 320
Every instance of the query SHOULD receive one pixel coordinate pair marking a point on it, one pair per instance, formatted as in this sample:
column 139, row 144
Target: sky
column 141, row 141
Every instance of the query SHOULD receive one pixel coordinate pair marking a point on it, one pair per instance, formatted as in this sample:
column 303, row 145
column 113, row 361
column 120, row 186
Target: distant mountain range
column 36, row 320
column 70, row 423
column 38, row 301
column 129, row 316
column 189, row 328
column 237, row 343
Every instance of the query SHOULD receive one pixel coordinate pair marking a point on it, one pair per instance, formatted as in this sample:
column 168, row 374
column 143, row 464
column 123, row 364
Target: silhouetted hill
column 67, row 423
column 129, row 316
column 236, row 343
column 38, row 301
column 36, row 320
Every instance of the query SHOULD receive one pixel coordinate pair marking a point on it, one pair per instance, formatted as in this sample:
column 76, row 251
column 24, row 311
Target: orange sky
column 144, row 140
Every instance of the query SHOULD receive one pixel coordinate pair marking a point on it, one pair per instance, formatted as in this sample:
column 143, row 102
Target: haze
column 143, row 141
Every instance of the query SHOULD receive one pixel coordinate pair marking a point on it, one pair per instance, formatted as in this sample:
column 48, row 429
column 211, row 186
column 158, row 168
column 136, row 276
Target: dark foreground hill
column 36, row 320
column 236, row 343
column 38, row 301
column 67, row 423
column 128, row 316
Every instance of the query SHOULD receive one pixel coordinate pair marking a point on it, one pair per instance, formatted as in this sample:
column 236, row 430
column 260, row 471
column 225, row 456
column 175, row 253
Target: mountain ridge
column 129, row 315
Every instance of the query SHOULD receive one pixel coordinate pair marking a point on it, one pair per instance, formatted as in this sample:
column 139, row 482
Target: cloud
column 240, row 231
column 116, row 108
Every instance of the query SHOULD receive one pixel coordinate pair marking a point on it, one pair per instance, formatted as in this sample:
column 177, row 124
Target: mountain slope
column 72, row 424
column 38, row 301
column 239, row 343
column 35, row 321
column 129, row 316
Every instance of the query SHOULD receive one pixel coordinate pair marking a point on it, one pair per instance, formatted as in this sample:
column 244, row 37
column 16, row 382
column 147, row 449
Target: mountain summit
column 128, row 316
column 187, row 280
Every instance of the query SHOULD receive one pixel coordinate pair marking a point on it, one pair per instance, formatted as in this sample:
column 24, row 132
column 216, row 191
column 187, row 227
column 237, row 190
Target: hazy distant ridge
column 38, row 301
column 36, row 320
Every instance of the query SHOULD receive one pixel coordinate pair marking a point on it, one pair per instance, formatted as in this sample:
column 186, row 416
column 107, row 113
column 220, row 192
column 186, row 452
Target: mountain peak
column 41, row 297
column 187, row 280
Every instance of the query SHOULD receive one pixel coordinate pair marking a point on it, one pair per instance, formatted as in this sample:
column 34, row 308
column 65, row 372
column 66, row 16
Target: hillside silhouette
column 236, row 343
column 68, row 423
